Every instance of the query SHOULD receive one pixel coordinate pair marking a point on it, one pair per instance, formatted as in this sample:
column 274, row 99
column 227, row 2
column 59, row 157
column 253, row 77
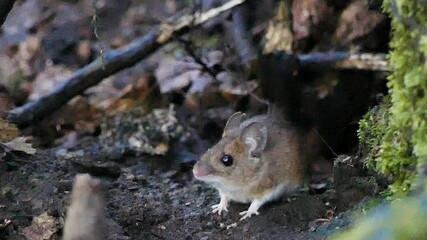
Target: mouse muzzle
column 201, row 170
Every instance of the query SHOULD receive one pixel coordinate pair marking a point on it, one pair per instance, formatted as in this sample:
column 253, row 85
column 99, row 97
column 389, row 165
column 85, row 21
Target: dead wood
column 112, row 62
column 344, row 60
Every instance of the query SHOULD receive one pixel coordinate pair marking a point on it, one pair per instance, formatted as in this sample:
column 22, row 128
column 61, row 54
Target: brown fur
column 283, row 161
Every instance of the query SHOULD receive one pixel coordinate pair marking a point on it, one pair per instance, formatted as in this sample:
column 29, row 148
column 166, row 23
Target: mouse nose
column 196, row 172
column 199, row 171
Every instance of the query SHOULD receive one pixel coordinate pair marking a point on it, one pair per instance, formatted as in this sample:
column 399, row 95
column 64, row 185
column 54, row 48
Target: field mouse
column 86, row 215
column 256, row 161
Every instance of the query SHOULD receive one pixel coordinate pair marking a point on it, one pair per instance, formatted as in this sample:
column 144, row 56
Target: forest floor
column 158, row 200
column 150, row 196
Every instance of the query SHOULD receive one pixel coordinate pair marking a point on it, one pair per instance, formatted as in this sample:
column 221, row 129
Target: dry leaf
column 175, row 75
column 231, row 86
column 279, row 35
column 356, row 21
column 43, row 227
column 8, row 131
column 310, row 17
column 80, row 113
column 139, row 93
column 19, row 144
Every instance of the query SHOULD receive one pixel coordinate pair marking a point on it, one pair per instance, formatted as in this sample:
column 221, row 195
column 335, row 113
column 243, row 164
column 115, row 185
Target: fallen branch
column 113, row 62
column 5, row 7
column 344, row 60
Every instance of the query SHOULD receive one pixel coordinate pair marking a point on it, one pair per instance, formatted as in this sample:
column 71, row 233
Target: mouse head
column 236, row 155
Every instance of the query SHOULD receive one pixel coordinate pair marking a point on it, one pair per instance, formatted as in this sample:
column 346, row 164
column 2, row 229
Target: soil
column 155, row 199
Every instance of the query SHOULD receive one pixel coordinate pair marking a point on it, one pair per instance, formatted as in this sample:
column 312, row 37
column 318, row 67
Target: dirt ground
column 154, row 199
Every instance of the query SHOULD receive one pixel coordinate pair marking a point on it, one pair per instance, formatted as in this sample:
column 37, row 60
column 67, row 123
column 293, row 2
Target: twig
column 115, row 61
column 5, row 7
column 324, row 141
column 189, row 49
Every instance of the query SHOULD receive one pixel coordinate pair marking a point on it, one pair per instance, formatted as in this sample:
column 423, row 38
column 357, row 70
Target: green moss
column 397, row 147
column 371, row 132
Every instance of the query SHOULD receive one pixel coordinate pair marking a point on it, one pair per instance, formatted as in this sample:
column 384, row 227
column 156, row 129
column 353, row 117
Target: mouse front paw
column 220, row 207
column 247, row 214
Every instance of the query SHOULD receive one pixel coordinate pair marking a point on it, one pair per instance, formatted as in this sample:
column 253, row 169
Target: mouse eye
column 227, row 160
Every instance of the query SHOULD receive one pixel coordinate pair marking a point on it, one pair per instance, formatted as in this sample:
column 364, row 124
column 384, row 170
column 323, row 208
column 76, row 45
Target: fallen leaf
column 356, row 21
column 19, row 144
column 143, row 92
column 231, row 86
column 310, row 17
column 43, row 227
column 79, row 112
column 279, row 35
column 174, row 75
column 8, row 131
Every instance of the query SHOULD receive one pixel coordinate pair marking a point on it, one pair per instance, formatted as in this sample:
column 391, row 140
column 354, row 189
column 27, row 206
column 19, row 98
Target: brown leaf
column 279, row 35
column 143, row 92
column 8, row 131
column 310, row 17
column 357, row 21
column 79, row 113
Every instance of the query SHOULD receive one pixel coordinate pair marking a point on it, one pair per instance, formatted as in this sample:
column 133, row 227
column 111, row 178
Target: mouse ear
column 233, row 123
column 255, row 137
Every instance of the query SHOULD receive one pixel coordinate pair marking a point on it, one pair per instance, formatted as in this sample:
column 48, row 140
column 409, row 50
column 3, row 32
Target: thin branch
column 326, row 143
column 188, row 46
column 115, row 61
column 344, row 60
